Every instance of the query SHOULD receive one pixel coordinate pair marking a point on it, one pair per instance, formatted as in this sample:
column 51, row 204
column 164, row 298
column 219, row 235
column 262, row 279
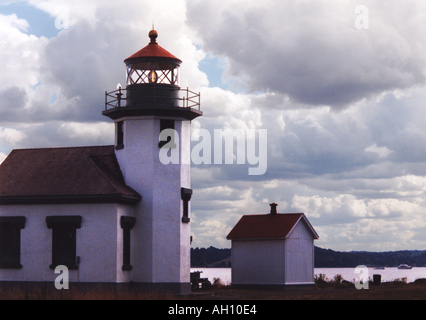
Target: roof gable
column 64, row 175
column 268, row 226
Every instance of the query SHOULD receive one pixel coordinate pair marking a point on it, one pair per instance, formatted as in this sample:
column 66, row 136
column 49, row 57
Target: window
column 10, row 242
column 147, row 72
column 167, row 124
column 127, row 224
column 120, row 136
column 64, row 240
column 186, row 195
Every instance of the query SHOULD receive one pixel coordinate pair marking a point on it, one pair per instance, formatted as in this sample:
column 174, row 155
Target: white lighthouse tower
column 152, row 102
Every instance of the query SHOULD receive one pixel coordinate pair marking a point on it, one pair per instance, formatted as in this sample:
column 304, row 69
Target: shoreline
column 389, row 274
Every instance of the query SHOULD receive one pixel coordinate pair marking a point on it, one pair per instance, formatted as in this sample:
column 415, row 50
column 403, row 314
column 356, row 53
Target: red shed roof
column 153, row 50
column 267, row 226
column 63, row 175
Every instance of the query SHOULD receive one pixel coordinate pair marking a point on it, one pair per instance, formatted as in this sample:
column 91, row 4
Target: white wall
column 185, row 181
column 258, row 262
column 162, row 252
column 299, row 263
column 99, row 242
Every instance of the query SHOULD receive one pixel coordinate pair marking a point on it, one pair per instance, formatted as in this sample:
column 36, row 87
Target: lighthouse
column 151, row 102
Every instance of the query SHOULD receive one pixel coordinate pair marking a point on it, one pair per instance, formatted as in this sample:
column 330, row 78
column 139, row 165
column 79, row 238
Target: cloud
column 13, row 103
column 329, row 165
column 343, row 108
column 12, row 23
column 382, row 152
column 10, row 136
column 92, row 134
column 78, row 65
column 311, row 50
column 346, row 222
column 350, row 171
column 20, row 53
column 210, row 231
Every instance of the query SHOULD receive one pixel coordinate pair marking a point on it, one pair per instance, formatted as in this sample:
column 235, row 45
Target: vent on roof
column 273, row 208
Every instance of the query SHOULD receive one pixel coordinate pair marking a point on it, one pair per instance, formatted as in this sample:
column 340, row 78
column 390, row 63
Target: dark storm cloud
column 311, row 50
column 12, row 104
column 344, row 108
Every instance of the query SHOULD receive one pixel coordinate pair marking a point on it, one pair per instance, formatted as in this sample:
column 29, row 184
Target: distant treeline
column 210, row 257
column 324, row 258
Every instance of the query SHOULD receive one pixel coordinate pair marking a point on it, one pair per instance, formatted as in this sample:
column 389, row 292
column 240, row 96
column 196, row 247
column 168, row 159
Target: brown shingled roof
column 268, row 226
column 63, row 175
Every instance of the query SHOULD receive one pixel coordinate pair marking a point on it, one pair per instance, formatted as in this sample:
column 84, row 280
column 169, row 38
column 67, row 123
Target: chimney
column 273, row 208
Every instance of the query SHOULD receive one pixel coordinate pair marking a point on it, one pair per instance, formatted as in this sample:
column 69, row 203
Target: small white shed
column 273, row 250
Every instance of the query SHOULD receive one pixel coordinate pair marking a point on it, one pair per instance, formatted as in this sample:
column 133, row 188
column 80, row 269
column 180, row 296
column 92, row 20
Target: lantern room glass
column 153, row 72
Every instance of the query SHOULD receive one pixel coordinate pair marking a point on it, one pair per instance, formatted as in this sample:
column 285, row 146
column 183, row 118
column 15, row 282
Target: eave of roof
column 69, row 199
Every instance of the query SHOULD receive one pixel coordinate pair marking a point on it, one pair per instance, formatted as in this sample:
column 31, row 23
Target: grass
column 42, row 292
column 332, row 289
column 325, row 289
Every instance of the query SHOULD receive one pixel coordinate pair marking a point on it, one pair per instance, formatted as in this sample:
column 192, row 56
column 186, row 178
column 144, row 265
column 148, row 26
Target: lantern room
column 153, row 65
column 152, row 87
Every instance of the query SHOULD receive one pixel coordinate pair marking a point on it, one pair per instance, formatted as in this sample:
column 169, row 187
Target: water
column 224, row 274
column 388, row 274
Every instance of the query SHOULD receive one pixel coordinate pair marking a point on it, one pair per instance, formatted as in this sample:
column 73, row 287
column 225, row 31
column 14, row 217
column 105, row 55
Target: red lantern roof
column 153, row 50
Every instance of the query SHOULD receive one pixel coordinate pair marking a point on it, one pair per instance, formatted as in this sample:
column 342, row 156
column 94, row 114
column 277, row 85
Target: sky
column 340, row 87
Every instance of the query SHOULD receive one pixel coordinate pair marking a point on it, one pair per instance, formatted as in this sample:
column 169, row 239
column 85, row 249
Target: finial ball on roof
column 153, row 34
